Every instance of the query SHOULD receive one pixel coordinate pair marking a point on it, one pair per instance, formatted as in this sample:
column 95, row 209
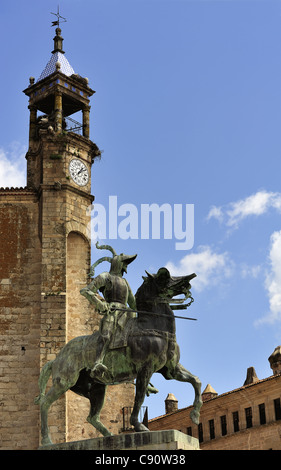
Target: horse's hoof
column 141, row 428
column 151, row 389
column 194, row 415
column 46, row 441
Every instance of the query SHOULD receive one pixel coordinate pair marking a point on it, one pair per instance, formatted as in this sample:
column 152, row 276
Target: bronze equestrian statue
column 127, row 347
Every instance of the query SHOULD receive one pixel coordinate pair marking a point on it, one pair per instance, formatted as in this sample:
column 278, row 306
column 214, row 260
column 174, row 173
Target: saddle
column 120, row 336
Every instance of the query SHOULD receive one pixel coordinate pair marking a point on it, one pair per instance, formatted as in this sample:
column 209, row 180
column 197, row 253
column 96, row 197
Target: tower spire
column 58, row 42
column 58, row 39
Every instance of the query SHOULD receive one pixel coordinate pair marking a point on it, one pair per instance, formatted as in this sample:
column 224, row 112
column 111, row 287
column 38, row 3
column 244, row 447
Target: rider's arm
column 131, row 298
column 91, row 293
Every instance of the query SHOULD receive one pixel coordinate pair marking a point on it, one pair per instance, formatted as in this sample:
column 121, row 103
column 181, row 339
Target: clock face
column 78, row 172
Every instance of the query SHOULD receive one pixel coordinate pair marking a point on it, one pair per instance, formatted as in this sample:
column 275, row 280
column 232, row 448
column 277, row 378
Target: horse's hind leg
column 53, row 394
column 97, row 396
column 183, row 375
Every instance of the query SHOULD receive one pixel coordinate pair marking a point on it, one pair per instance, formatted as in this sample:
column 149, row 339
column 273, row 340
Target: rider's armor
column 115, row 290
column 116, row 295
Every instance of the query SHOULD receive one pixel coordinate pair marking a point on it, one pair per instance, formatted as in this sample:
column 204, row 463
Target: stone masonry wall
column 20, row 271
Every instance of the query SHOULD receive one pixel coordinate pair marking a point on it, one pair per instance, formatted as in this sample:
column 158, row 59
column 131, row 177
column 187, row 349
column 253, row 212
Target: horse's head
column 164, row 287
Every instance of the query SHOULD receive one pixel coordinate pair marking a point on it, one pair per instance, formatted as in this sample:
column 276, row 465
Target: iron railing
column 70, row 125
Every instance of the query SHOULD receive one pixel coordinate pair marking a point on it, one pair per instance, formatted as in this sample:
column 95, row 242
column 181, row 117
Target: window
column 200, row 432
column 277, row 408
column 249, row 417
column 189, row 431
column 223, row 425
column 262, row 413
column 212, row 428
column 235, row 416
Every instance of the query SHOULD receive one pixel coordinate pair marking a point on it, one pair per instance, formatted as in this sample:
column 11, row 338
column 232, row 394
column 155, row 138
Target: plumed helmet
column 118, row 263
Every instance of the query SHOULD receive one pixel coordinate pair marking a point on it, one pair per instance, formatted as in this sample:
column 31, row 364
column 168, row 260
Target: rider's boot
column 99, row 370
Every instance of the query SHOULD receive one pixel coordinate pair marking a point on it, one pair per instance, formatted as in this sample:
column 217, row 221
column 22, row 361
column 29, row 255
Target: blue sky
column 187, row 110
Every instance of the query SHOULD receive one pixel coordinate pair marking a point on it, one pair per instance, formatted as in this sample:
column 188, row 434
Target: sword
column 153, row 313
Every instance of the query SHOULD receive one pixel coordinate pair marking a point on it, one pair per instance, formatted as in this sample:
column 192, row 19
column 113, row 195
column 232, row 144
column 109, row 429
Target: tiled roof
column 271, row 377
column 50, row 68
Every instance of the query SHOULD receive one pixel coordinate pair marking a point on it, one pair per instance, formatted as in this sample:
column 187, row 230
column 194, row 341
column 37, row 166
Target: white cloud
column 254, row 205
column 209, row 266
column 273, row 281
column 250, row 271
column 12, row 166
column 216, row 213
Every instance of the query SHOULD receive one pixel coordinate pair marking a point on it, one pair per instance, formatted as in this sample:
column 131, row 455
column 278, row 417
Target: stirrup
column 98, row 369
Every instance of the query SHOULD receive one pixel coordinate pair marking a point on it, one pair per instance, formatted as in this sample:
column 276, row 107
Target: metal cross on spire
column 59, row 17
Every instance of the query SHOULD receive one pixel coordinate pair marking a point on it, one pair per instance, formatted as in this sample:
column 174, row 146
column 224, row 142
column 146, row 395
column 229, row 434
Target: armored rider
column 116, row 295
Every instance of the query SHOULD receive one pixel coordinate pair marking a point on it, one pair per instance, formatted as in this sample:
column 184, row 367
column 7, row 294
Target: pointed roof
column 209, row 389
column 171, row 397
column 251, row 376
column 50, row 68
column 57, row 57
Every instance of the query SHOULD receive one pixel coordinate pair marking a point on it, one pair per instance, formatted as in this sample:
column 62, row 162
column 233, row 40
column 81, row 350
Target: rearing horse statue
column 149, row 346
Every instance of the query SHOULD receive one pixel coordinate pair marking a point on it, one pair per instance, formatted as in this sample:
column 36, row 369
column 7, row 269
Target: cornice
column 65, row 187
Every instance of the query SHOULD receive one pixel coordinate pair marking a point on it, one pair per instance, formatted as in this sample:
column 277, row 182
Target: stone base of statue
column 154, row 440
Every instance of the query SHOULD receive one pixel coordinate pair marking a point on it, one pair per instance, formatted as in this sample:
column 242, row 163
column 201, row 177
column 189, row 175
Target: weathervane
column 57, row 23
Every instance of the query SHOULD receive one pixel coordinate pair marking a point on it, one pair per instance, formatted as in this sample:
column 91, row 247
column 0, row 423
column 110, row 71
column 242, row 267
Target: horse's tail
column 42, row 382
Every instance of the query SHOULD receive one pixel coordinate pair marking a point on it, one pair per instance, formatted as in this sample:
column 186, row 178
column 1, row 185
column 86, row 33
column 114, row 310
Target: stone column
column 58, row 111
column 86, row 121
column 32, row 122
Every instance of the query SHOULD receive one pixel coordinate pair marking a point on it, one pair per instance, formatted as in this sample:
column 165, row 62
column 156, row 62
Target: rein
column 153, row 313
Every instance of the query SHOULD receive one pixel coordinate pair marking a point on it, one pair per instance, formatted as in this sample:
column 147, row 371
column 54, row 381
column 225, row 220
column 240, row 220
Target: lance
column 153, row 313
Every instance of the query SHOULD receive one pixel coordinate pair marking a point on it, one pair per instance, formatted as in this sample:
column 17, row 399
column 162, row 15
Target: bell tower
column 59, row 164
column 58, row 94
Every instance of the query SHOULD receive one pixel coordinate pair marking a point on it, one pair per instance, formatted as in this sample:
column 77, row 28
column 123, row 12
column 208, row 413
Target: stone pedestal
column 153, row 440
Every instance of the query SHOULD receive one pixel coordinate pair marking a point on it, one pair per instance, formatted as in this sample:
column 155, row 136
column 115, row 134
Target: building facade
column 45, row 258
column 247, row 418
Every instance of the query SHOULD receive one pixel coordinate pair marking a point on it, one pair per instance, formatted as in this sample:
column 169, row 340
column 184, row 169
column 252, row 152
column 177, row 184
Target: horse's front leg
column 142, row 382
column 183, row 375
column 97, row 396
